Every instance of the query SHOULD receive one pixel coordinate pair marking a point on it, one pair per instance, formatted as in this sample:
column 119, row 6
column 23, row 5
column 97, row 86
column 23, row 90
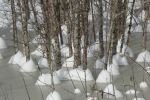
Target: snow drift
column 16, row 58
column 28, row 66
column 79, row 74
column 111, row 89
column 54, row 96
column 46, row 79
column 143, row 57
column 104, row 77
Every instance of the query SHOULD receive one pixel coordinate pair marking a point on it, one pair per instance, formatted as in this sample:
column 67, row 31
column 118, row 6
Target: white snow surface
column 22, row 61
column 77, row 91
column 69, row 62
column 113, row 69
column 28, row 66
column 38, row 51
column 104, row 77
column 132, row 92
column 143, row 56
column 111, row 89
column 125, row 49
column 120, row 59
column 143, row 85
column 100, row 63
column 79, row 74
column 138, row 99
column 46, row 79
column 65, row 51
column 16, row 58
column 54, row 96
column 2, row 43
column 43, row 63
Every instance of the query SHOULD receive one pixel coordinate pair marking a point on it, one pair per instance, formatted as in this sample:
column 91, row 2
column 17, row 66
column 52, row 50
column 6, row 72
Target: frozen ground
column 12, row 86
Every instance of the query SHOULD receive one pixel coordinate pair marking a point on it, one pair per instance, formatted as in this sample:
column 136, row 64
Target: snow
column 92, row 98
column 62, row 73
column 77, row 91
column 69, row 62
column 125, row 49
column 43, row 63
column 79, row 74
column 138, row 99
column 113, row 69
column 104, row 77
column 22, row 61
column 95, row 46
column 28, row 66
column 2, row 43
column 111, row 89
column 46, row 79
column 16, row 58
column 100, row 63
column 143, row 85
column 38, row 51
column 120, row 59
column 65, row 51
column 54, row 96
column 143, row 57
column 132, row 92
column 64, row 33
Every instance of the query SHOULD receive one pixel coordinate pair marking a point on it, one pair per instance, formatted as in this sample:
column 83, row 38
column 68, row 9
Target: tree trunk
column 24, row 19
column 14, row 17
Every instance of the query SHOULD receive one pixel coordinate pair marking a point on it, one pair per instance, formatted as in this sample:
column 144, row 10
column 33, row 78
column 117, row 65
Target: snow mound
column 77, row 91
column 111, row 89
column 69, row 62
column 132, row 92
column 79, row 74
column 62, row 73
column 92, row 98
column 125, row 49
column 100, row 63
column 38, row 51
column 43, row 63
column 138, row 99
column 65, row 51
column 15, row 59
column 2, row 43
column 28, row 66
column 104, row 77
column 54, row 96
column 120, row 59
column 113, row 69
column 22, row 61
column 143, row 57
column 143, row 85
column 46, row 79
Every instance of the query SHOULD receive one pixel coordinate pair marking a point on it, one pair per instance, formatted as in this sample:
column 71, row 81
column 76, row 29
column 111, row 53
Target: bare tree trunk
column 14, row 17
column 146, row 9
column 101, row 43
column 76, row 35
column 24, row 18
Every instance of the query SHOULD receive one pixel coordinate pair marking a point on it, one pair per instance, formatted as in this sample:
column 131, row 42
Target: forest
column 74, row 49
